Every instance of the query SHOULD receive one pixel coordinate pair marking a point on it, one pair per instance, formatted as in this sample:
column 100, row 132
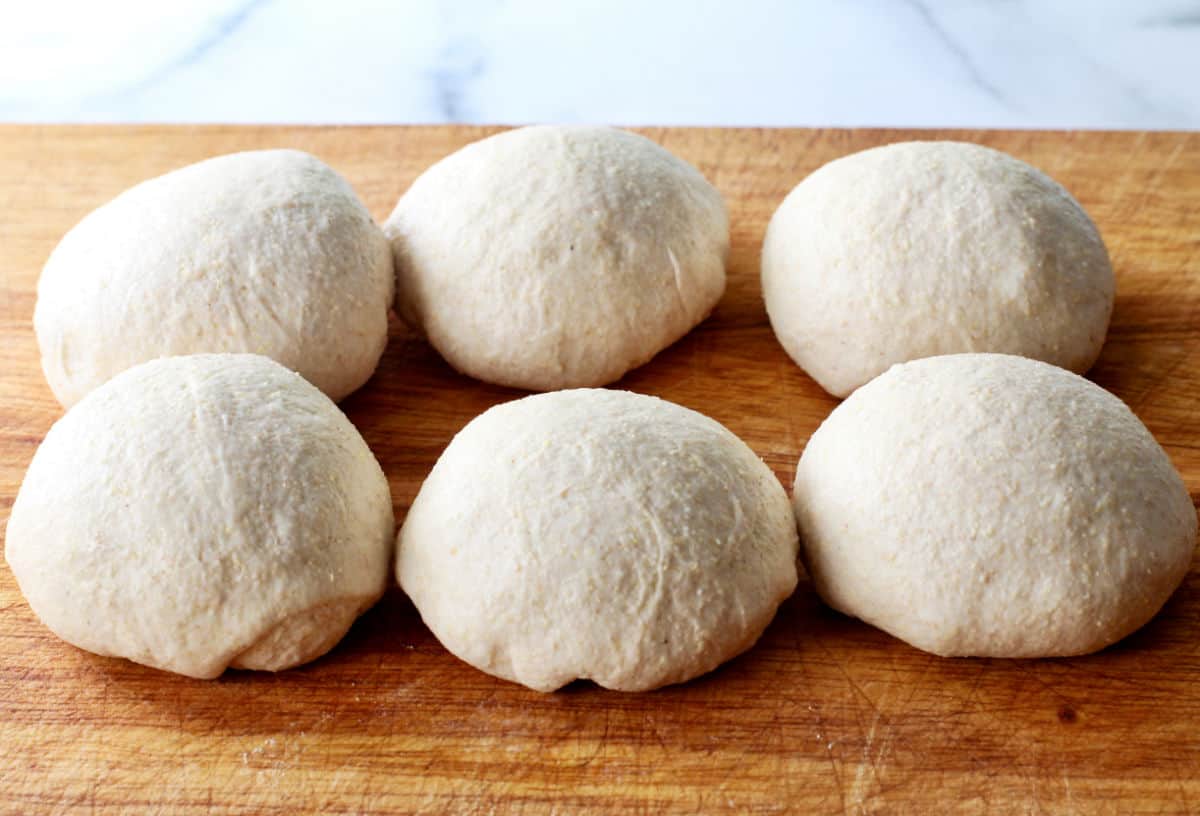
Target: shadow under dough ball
column 923, row 248
column 557, row 257
column 267, row 252
column 993, row 506
column 601, row 535
column 200, row 512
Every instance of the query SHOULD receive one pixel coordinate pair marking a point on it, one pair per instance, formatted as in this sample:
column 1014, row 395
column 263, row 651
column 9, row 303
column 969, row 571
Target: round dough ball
column 268, row 252
column 597, row 534
column 201, row 512
column 924, row 248
column 557, row 257
column 994, row 506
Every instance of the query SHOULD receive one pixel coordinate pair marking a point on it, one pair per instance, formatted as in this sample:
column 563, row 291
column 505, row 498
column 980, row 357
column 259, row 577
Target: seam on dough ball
column 303, row 636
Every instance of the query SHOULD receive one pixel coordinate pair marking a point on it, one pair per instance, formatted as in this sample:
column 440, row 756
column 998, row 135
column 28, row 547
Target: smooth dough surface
column 990, row 505
column 597, row 534
column 200, row 512
column 556, row 257
column 918, row 249
column 268, row 252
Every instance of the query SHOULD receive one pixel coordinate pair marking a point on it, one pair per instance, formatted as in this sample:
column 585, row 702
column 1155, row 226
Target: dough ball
column 991, row 505
column 558, row 257
column 267, row 252
column 926, row 248
column 597, row 534
column 201, row 512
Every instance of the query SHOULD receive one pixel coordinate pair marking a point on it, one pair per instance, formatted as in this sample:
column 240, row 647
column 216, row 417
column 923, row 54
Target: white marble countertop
column 969, row 63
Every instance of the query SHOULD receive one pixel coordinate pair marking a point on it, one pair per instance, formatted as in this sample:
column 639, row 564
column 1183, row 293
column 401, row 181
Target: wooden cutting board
column 825, row 715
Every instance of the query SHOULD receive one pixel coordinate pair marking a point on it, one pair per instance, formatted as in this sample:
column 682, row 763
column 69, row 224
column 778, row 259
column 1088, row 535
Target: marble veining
column 951, row 45
column 217, row 32
column 920, row 63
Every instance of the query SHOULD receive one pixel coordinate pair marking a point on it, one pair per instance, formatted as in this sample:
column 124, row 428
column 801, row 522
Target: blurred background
column 969, row 63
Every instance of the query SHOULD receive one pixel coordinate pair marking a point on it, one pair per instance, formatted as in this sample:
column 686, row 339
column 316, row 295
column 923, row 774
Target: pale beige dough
column 200, row 512
column 557, row 257
column 923, row 248
column 267, row 251
column 992, row 505
column 597, row 534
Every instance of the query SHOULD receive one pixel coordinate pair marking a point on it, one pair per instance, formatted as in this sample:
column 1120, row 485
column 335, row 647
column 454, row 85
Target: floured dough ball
column 597, row 534
column 923, row 248
column 268, row 252
column 990, row 505
column 557, row 257
column 201, row 512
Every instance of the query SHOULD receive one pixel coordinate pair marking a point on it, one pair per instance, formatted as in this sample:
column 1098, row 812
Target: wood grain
column 825, row 715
